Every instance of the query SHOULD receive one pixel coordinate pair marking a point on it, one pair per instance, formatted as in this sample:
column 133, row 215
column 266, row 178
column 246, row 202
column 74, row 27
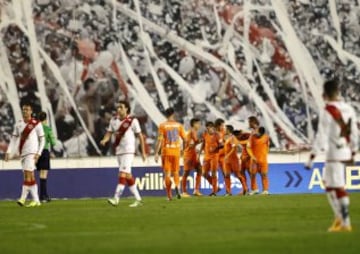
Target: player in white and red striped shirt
column 28, row 138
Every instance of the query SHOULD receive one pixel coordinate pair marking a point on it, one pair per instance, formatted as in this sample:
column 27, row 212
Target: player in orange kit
column 221, row 130
column 191, row 161
column 245, row 159
column 258, row 149
column 231, row 160
column 169, row 143
column 211, row 144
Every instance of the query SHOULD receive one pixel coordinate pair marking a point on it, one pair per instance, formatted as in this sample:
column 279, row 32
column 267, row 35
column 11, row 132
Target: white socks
column 24, row 192
column 334, row 203
column 344, row 208
column 119, row 190
column 135, row 192
column 34, row 192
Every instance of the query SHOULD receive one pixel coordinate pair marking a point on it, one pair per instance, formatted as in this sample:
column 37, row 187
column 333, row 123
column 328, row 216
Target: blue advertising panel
column 100, row 182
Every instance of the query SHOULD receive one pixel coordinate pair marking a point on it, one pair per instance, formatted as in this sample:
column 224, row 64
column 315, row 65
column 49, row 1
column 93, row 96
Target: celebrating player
column 245, row 159
column 231, row 160
column 191, row 161
column 30, row 133
column 168, row 142
column 211, row 144
column 337, row 136
column 221, row 130
column 258, row 149
column 43, row 164
column 125, row 128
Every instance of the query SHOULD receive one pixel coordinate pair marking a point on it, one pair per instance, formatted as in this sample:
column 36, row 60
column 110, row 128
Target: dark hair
column 253, row 119
column 193, row 121
column 331, row 88
column 169, row 112
column 219, row 122
column 126, row 104
column 261, row 131
column 27, row 104
column 236, row 132
column 209, row 124
column 230, row 128
column 42, row 116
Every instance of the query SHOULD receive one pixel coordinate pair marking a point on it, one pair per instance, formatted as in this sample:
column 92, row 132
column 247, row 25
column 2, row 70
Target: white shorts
column 28, row 162
column 125, row 162
column 334, row 174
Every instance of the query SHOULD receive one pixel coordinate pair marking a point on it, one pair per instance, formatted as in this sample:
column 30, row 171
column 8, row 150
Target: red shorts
column 170, row 163
column 232, row 166
column 210, row 164
column 259, row 167
column 191, row 162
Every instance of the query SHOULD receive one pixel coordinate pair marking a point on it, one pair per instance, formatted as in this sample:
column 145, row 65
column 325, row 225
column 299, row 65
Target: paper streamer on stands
column 157, row 82
column 36, row 63
column 57, row 74
column 299, row 54
column 141, row 93
column 335, row 21
column 8, row 84
column 241, row 81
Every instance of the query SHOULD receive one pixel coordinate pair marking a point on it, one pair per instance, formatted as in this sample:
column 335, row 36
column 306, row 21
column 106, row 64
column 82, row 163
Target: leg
column 167, row 183
column 205, row 171
column 253, row 171
column 344, row 202
column 214, row 179
column 227, row 179
column 264, row 177
column 43, row 184
column 28, row 163
column 198, row 180
column 184, row 181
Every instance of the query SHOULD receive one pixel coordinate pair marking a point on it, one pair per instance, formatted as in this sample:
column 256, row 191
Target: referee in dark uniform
column 43, row 164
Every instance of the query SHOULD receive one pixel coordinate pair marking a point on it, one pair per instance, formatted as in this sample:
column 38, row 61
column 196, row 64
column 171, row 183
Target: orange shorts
column 191, row 163
column 259, row 167
column 232, row 166
column 245, row 163
column 170, row 163
column 210, row 164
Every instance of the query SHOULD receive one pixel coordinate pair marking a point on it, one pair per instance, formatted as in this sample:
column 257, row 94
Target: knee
column 264, row 174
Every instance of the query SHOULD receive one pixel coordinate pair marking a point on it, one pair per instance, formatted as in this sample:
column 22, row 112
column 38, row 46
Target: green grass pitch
column 258, row 224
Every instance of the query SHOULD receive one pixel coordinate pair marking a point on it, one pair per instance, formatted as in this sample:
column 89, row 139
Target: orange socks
column 265, row 182
column 253, row 182
column 228, row 184
column 197, row 182
column 183, row 181
column 168, row 186
column 214, row 182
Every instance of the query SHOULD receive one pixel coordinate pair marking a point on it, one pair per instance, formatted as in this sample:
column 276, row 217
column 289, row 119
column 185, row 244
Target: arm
column 140, row 136
column 157, row 148
column 321, row 138
column 41, row 135
column 11, row 147
column 52, row 137
column 106, row 138
column 354, row 136
column 233, row 150
column 250, row 151
column 201, row 149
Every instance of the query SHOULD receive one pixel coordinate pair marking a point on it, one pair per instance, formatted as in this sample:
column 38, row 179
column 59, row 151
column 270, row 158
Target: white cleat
column 253, row 192
column 137, row 203
column 113, row 201
column 21, row 202
column 33, row 204
column 265, row 193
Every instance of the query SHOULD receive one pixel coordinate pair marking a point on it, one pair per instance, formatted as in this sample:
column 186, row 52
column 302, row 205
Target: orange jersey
column 229, row 144
column 170, row 133
column 222, row 140
column 191, row 140
column 211, row 144
column 259, row 147
column 244, row 140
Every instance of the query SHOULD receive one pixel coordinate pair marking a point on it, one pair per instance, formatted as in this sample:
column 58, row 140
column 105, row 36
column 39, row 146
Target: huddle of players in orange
column 220, row 144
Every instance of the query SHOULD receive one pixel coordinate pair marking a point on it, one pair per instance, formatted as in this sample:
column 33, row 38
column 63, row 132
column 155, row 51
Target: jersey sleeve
column 161, row 132
column 354, row 135
column 110, row 126
column 136, row 126
column 321, row 139
column 182, row 132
